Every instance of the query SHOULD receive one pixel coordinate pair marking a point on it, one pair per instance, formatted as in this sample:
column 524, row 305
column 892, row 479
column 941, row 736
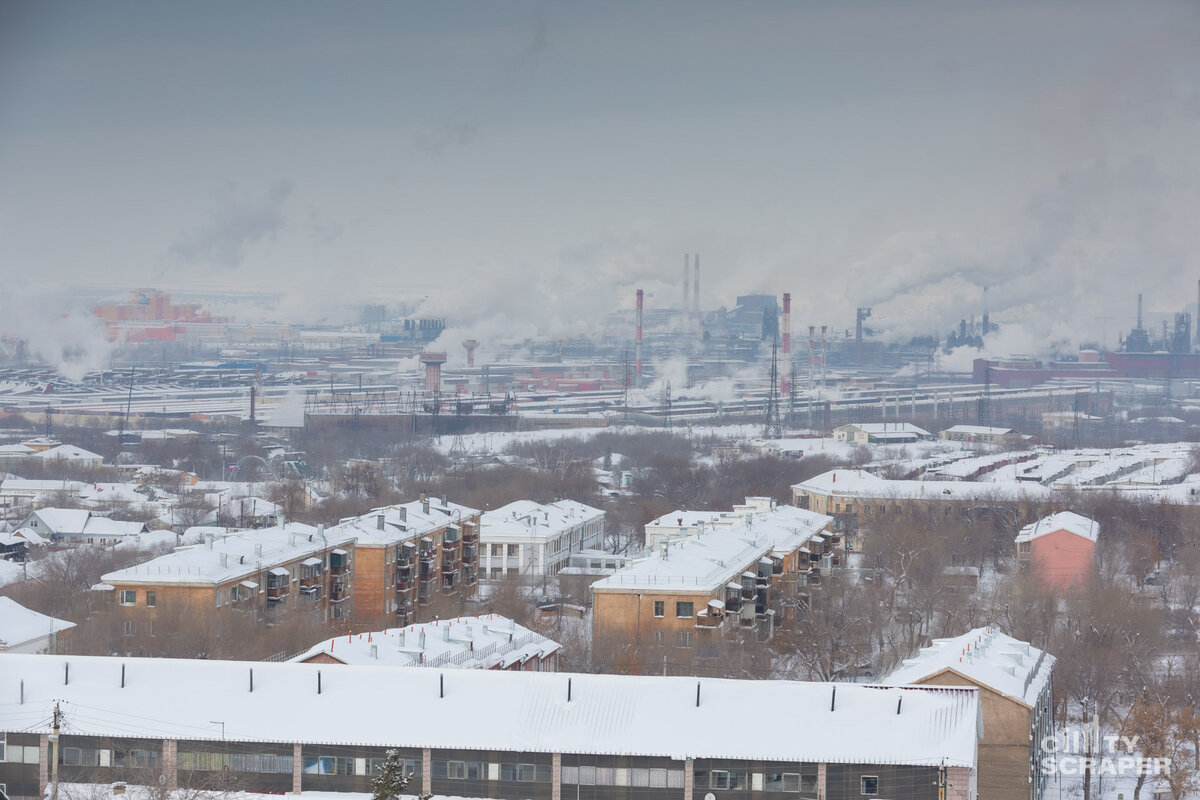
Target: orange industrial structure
column 149, row 315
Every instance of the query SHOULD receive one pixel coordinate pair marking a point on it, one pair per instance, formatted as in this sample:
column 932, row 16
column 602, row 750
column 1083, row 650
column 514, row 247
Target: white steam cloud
column 68, row 339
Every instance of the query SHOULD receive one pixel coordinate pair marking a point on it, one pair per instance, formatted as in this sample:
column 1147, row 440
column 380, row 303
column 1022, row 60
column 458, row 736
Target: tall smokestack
column 824, row 352
column 696, row 275
column 470, row 345
column 1139, row 311
column 787, row 342
column 812, row 354
column 986, row 324
column 686, row 314
column 638, row 342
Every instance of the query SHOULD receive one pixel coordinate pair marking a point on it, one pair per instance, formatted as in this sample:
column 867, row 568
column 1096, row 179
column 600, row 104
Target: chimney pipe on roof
column 379, row 522
column 403, row 514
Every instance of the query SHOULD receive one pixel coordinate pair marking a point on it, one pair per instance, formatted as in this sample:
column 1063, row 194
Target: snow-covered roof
column 859, row 483
column 235, row 556
column 525, row 519
column 881, row 428
column 979, row 430
column 494, row 710
column 461, row 643
column 403, row 522
column 693, row 564
column 20, row 625
column 986, row 656
column 1062, row 521
column 69, row 452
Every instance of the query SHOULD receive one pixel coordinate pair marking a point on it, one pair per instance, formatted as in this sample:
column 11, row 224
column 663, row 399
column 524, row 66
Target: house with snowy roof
column 1014, row 683
column 23, row 630
column 1059, row 550
column 77, row 456
column 486, row 642
column 288, row 728
column 79, row 526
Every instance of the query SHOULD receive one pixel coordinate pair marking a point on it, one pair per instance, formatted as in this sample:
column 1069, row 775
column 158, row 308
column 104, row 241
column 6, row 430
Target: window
column 497, row 550
column 128, row 597
column 660, row 608
column 683, row 639
column 129, row 627
column 587, row 776
column 718, row 779
column 658, row 778
column 870, row 784
column 514, row 550
column 525, row 773
column 456, row 770
column 684, row 609
column 1023, row 547
column 658, row 637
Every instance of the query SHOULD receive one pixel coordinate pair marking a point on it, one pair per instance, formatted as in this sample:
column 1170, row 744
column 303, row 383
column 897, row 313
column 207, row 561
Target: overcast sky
column 554, row 156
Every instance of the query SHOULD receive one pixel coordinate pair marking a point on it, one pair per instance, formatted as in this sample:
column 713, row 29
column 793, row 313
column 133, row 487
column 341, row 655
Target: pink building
column 1059, row 549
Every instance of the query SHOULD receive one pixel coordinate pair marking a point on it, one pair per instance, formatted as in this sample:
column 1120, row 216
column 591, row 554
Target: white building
column 23, row 630
column 880, row 433
column 488, row 642
column 79, row 526
column 527, row 538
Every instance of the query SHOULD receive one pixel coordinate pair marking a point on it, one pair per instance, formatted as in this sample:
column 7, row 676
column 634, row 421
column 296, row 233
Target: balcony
column 277, row 594
column 310, row 584
column 339, row 570
column 340, row 595
column 707, row 622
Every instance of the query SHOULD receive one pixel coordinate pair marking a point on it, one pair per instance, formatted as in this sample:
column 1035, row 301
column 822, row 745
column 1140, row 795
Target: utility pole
column 941, row 781
column 54, row 753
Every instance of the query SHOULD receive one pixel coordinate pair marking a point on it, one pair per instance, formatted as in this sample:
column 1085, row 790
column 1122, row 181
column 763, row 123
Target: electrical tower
column 772, row 429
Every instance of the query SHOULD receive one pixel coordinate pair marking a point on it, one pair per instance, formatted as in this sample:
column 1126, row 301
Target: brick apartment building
column 408, row 554
column 726, row 576
column 267, row 571
column 1014, row 681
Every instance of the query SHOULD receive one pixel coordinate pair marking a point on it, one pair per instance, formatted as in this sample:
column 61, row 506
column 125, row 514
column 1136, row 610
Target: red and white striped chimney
column 638, row 341
column 787, row 342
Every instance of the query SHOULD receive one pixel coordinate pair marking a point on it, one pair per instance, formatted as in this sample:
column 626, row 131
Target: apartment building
column 488, row 642
column 409, row 553
column 1014, row 681
column 726, row 576
column 531, row 539
column 288, row 728
column 267, row 570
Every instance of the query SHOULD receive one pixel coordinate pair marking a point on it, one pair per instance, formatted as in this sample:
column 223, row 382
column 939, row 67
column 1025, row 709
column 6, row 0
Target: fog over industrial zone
column 524, row 167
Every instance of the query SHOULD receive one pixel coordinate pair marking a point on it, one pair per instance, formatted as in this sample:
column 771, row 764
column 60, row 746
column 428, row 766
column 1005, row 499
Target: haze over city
column 499, row 158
